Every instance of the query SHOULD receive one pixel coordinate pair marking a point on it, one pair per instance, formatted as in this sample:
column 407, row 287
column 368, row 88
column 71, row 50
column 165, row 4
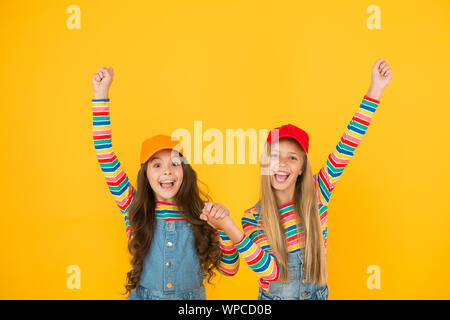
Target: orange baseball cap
column 156, row 143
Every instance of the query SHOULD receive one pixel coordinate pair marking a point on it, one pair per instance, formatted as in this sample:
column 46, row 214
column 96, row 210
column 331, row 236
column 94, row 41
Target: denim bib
column 171, row 268
column 297, row 288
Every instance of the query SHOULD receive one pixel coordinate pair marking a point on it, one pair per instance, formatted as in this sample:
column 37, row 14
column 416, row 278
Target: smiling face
column 165, row 174
column 285, row 165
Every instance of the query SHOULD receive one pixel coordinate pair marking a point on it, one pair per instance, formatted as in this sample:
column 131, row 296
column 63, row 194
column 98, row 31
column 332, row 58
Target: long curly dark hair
column 143, row 224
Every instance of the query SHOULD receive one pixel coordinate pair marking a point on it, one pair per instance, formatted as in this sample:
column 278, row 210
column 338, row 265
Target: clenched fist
column 381, row 73
column 215, row 214
column 381, row 76
column 101, row 81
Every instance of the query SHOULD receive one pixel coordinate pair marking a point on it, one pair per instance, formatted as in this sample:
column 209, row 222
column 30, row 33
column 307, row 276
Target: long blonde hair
column 307, row 215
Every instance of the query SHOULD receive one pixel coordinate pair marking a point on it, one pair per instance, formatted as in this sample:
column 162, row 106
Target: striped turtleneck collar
column 168, row 211
column 286, row 207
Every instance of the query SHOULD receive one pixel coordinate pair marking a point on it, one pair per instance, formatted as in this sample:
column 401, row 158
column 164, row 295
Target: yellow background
column 231, row 64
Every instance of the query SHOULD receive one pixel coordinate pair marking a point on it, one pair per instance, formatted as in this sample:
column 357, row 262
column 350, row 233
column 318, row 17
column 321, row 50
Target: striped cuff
column 100, row 100
column 242, row 243
column 372, row 100
column 223, row 236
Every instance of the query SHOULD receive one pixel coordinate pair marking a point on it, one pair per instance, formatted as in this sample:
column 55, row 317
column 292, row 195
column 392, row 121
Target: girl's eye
column 156, row 165
column 175, row 164
column 293, row 158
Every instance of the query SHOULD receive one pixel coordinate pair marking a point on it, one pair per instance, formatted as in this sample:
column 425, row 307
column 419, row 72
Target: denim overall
column 171, row 268
column 297, row 288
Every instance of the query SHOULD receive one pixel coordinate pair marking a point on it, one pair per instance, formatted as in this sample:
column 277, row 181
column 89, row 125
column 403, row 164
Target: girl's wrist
column 233, row 232
column 100, row 95
column 226, row 223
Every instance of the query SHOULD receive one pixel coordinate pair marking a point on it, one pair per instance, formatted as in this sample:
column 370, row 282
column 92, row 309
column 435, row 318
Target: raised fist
column 381, row 74
column 101, row 81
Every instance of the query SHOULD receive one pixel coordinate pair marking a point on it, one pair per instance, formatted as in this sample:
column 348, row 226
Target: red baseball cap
column 289, row 131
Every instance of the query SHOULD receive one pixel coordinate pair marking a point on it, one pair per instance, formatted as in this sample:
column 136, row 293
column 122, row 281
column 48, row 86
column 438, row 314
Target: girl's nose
column 281, row 162
column 167, row 170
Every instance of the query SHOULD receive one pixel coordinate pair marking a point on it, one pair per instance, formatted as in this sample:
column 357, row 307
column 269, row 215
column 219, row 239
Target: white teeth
column 281, row 177
column 167, row 184
column 281, row 173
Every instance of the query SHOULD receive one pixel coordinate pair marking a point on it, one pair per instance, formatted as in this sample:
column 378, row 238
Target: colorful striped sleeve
column 229, row 263
column 328, row 176
column 116, row 179
column 255, row 248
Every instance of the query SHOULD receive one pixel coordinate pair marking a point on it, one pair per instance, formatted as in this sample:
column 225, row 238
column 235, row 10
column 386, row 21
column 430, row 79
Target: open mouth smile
column 281, row 176
column 167, row 184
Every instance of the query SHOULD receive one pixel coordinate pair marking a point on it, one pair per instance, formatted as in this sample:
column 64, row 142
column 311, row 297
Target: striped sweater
column 123, row 192
column 254, row 246
column 168, row 211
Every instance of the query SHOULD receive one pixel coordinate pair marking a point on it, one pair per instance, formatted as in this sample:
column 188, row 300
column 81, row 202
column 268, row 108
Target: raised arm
column 329, row 174
column 116, row 179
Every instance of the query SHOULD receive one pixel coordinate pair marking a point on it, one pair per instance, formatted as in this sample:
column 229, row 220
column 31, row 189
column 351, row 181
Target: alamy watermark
column 236, row 146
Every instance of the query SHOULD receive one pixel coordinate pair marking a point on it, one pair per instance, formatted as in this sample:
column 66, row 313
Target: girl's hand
column 215, row 214
column 381, row 76
column 101, row 81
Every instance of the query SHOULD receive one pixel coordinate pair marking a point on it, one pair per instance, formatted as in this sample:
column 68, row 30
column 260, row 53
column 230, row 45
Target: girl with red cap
column 285, row 233
column 172, row 249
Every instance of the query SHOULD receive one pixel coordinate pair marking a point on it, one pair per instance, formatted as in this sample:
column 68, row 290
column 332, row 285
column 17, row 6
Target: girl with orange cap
column 172, row 249
column 285, row 233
